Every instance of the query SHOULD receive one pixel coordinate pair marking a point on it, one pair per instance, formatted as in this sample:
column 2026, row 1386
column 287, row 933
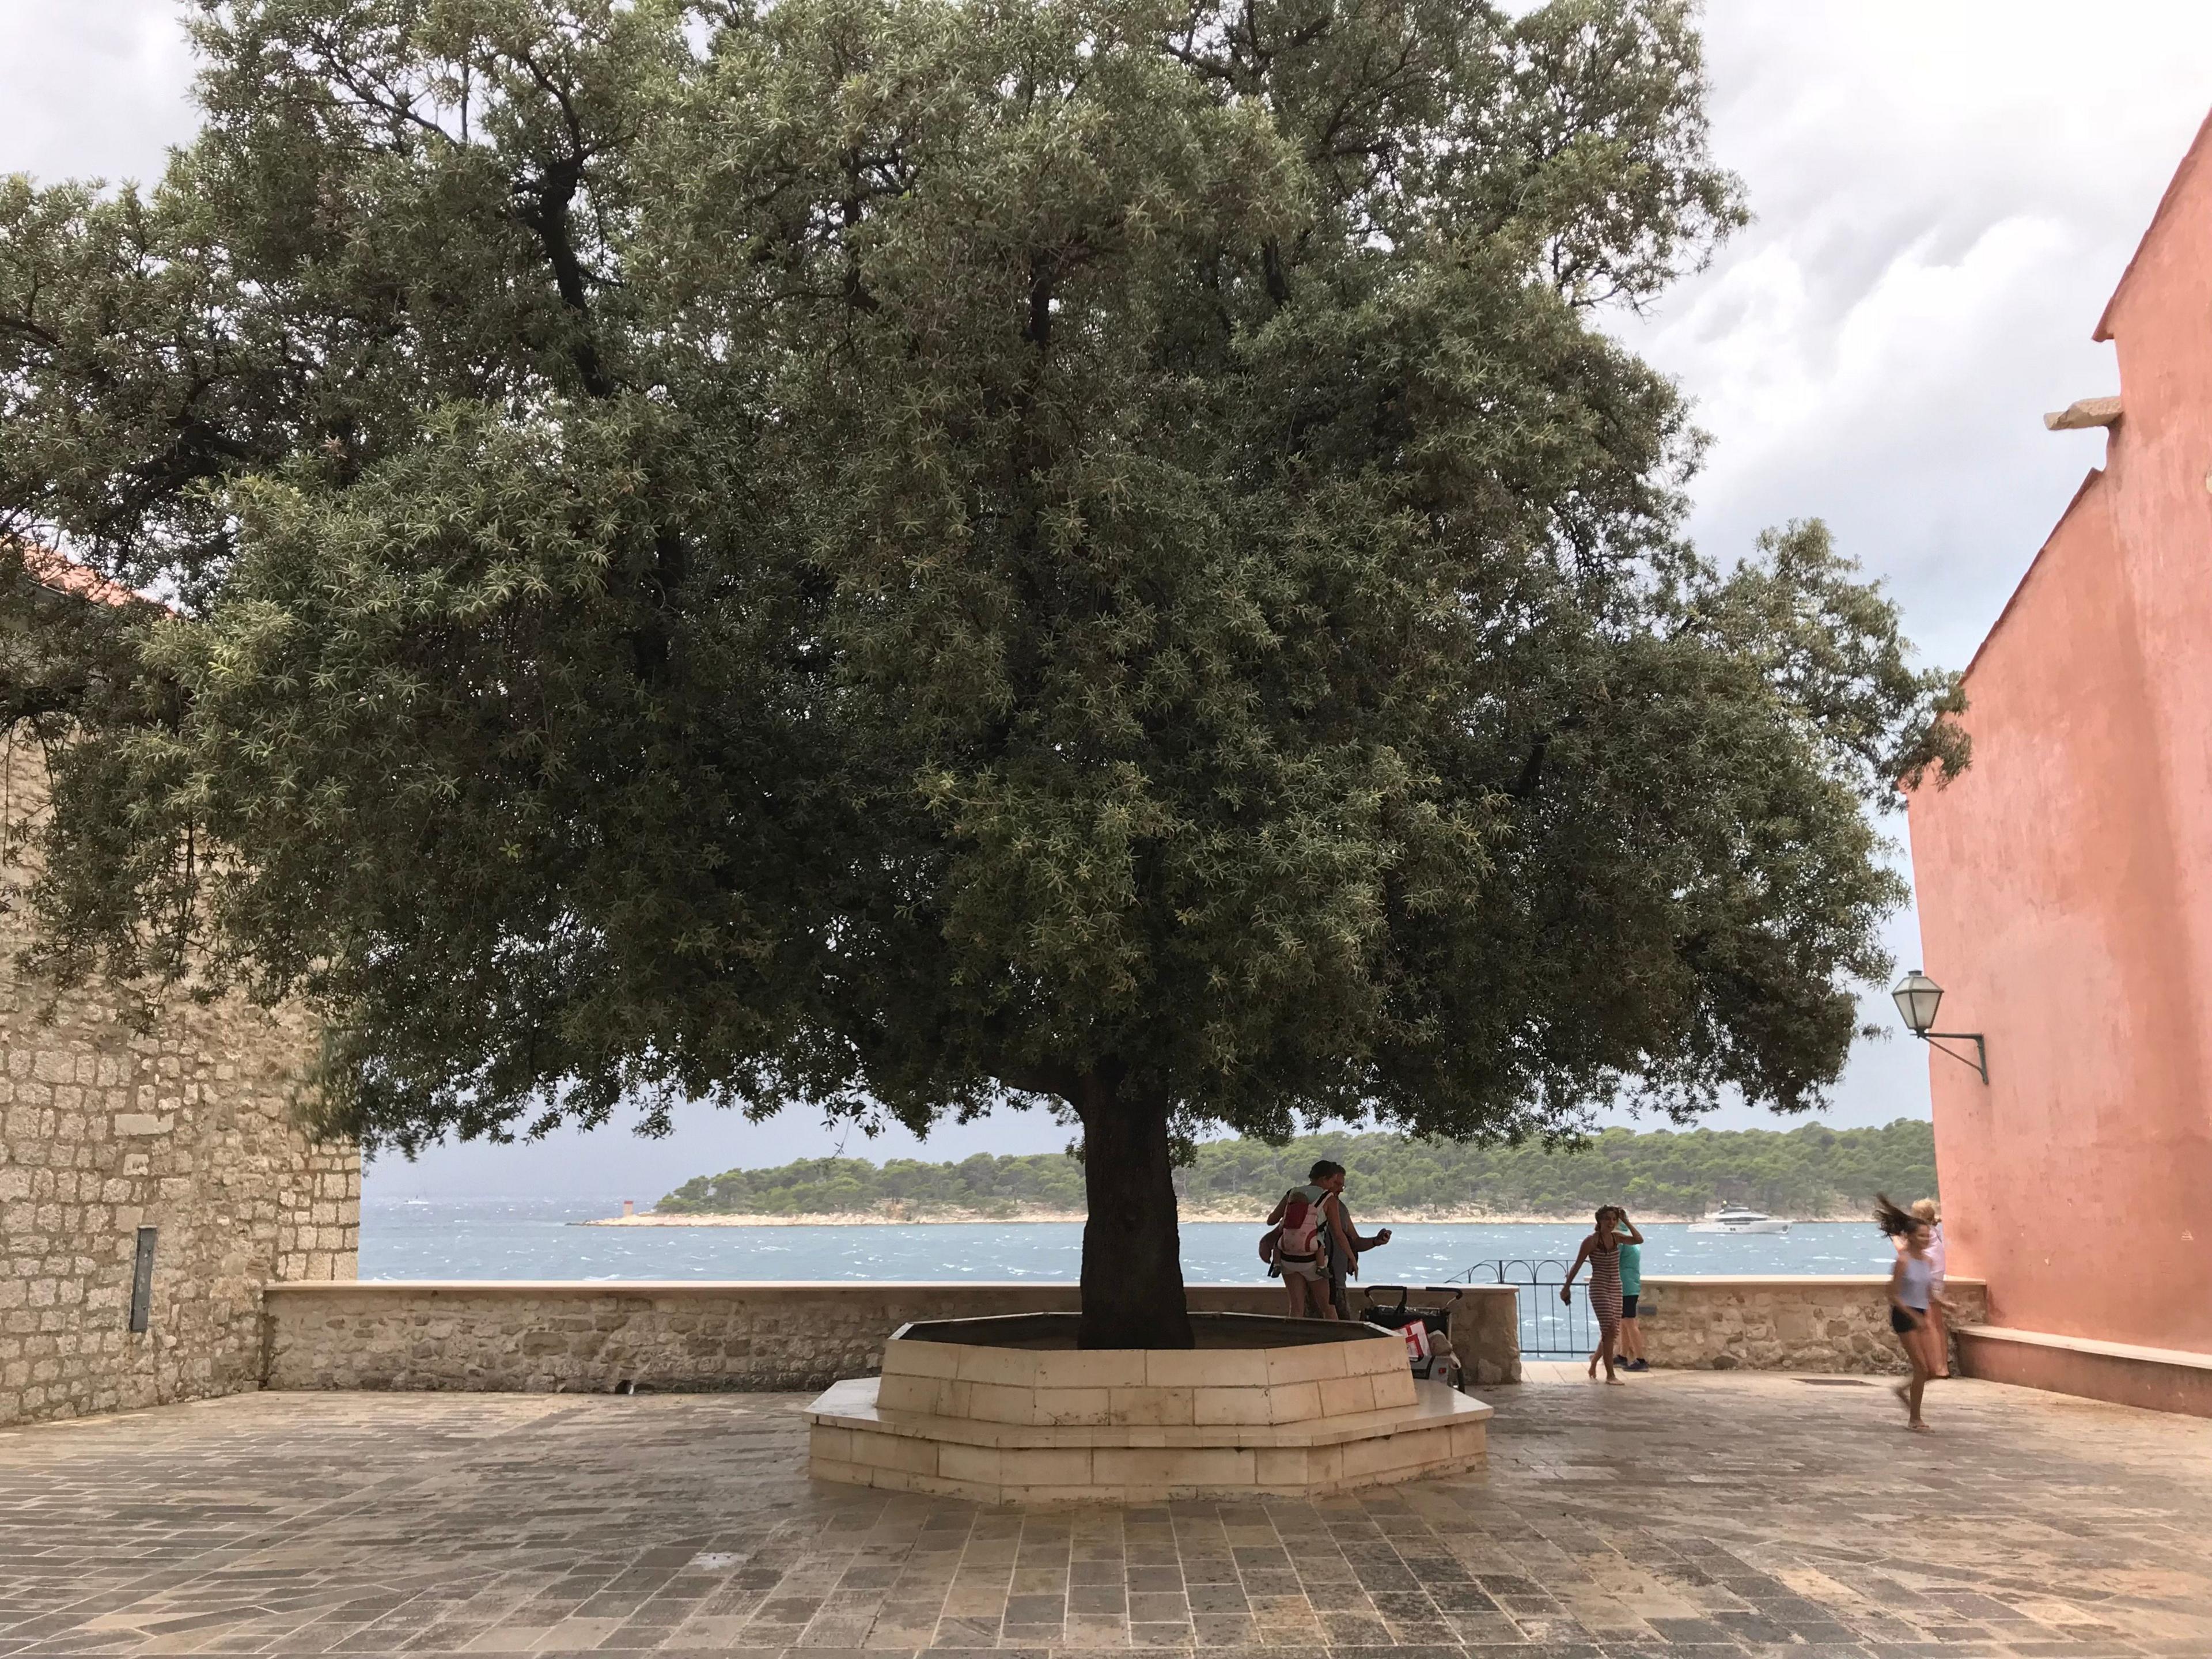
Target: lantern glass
column 1918, row 998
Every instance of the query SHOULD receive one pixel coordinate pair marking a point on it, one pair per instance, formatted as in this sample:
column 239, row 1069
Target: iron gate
column 1550, row 1329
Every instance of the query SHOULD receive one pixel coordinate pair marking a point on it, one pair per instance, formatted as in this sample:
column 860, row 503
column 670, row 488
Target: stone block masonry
column 185, row 1128
column 596, row 1338
column 1807, row 1322
column 555, row 1336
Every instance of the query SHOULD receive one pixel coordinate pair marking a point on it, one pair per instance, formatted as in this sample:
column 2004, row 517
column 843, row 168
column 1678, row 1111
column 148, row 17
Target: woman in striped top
column 1602, row 1249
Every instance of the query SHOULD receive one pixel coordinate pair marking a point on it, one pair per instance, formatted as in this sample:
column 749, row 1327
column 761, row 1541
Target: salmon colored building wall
column 2065, row 880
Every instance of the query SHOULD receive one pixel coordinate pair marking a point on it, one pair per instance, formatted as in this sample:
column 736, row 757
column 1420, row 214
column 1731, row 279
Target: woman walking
column 1911, row 1295
column 1602, row 1249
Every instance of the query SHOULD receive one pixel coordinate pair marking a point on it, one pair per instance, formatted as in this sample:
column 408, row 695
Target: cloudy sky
column 1946, row 193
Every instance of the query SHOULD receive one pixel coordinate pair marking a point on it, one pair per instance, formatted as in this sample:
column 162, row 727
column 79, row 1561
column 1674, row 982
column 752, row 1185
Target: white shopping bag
column 1417, row 1342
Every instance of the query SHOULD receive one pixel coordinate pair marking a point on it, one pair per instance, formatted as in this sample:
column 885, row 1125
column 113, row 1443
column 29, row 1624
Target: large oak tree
column 895, row 555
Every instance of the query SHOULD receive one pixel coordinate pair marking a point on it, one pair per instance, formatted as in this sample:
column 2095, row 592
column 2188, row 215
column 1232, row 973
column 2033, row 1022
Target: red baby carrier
column 1298, row 1238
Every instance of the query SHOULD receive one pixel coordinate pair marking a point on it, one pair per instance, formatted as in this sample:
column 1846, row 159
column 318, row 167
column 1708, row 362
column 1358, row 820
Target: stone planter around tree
column 1009, row 1410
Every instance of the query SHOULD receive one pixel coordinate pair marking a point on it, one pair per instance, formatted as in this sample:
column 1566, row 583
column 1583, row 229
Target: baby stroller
column 1427, row 1332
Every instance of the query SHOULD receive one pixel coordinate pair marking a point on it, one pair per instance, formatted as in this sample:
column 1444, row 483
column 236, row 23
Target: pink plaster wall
column 2065, row 881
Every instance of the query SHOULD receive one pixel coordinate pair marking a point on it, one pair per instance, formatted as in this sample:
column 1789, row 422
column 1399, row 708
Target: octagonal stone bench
column 1008, row 1410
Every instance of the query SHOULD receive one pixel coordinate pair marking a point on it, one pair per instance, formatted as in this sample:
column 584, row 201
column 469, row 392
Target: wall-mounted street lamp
column 1918, row 998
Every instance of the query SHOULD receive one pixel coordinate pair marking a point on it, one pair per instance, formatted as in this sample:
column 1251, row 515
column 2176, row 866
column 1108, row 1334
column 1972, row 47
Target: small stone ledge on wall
column 547, row 1337
column 1807, row 1322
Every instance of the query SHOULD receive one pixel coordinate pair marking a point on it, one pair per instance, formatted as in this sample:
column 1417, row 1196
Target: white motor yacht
column 1734, row 1218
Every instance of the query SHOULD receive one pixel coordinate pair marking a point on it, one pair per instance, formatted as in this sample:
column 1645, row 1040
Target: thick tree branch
column 545, row 212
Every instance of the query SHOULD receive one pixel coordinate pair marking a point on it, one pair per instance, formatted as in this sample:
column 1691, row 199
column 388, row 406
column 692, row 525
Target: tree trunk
column 1132, row 1252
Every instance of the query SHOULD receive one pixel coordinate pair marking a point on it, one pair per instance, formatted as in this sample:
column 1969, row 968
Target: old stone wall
column 1797, row 1323
column 184, row 1127
column 546, row 1337
column 556, row 1336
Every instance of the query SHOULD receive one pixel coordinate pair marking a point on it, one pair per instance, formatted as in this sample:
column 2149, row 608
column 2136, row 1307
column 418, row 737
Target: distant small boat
column 1734, row 1218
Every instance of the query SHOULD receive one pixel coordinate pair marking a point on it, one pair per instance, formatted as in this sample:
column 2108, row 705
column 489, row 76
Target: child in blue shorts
column 1632, row 1286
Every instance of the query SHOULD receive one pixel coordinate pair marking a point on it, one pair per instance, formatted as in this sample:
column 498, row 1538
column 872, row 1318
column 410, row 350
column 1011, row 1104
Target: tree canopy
column 881, row 553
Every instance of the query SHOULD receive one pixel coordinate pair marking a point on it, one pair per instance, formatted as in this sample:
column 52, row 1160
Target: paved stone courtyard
column 1688, row 1514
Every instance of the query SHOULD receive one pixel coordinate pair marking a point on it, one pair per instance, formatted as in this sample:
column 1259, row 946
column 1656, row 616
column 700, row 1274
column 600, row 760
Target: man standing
column 1345, row 1248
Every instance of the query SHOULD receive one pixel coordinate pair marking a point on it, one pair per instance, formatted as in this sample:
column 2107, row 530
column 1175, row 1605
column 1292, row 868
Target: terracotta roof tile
column 59, row 574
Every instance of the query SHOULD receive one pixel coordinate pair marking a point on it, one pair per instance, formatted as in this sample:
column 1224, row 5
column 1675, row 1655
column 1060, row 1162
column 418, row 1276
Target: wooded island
column 1811, row 1173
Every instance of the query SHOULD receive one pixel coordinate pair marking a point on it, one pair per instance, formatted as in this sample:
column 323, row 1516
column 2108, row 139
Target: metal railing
column 1550, row 1329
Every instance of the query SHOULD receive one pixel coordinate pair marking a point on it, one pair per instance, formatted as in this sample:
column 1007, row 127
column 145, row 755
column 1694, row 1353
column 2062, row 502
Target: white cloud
column 1946, row 195
column 92, row 88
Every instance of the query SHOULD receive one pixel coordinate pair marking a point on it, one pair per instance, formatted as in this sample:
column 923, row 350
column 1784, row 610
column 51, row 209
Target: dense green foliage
column 1807, row 1172
column 886, row 552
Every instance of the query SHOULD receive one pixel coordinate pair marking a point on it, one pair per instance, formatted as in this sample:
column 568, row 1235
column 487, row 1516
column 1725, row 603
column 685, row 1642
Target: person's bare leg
column 1318, row 1306
column 1632, row 1340
column 1938, row 1354
column 1932, row 1348
column 1909, row 1391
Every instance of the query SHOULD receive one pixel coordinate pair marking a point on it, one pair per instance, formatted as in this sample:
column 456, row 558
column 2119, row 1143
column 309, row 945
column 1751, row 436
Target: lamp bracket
column 1980, row 1062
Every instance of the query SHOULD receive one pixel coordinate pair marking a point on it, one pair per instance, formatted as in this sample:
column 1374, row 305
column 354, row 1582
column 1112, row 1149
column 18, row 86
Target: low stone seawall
column 1810, row 1322
column 545, row 1337
column 542, row 1337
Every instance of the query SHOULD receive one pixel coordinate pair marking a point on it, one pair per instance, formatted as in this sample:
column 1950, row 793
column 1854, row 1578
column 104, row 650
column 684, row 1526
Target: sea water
column 537, row 1238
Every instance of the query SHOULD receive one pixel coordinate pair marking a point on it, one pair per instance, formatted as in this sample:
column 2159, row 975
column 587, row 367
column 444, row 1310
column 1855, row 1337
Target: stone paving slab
column 1685, row 1514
